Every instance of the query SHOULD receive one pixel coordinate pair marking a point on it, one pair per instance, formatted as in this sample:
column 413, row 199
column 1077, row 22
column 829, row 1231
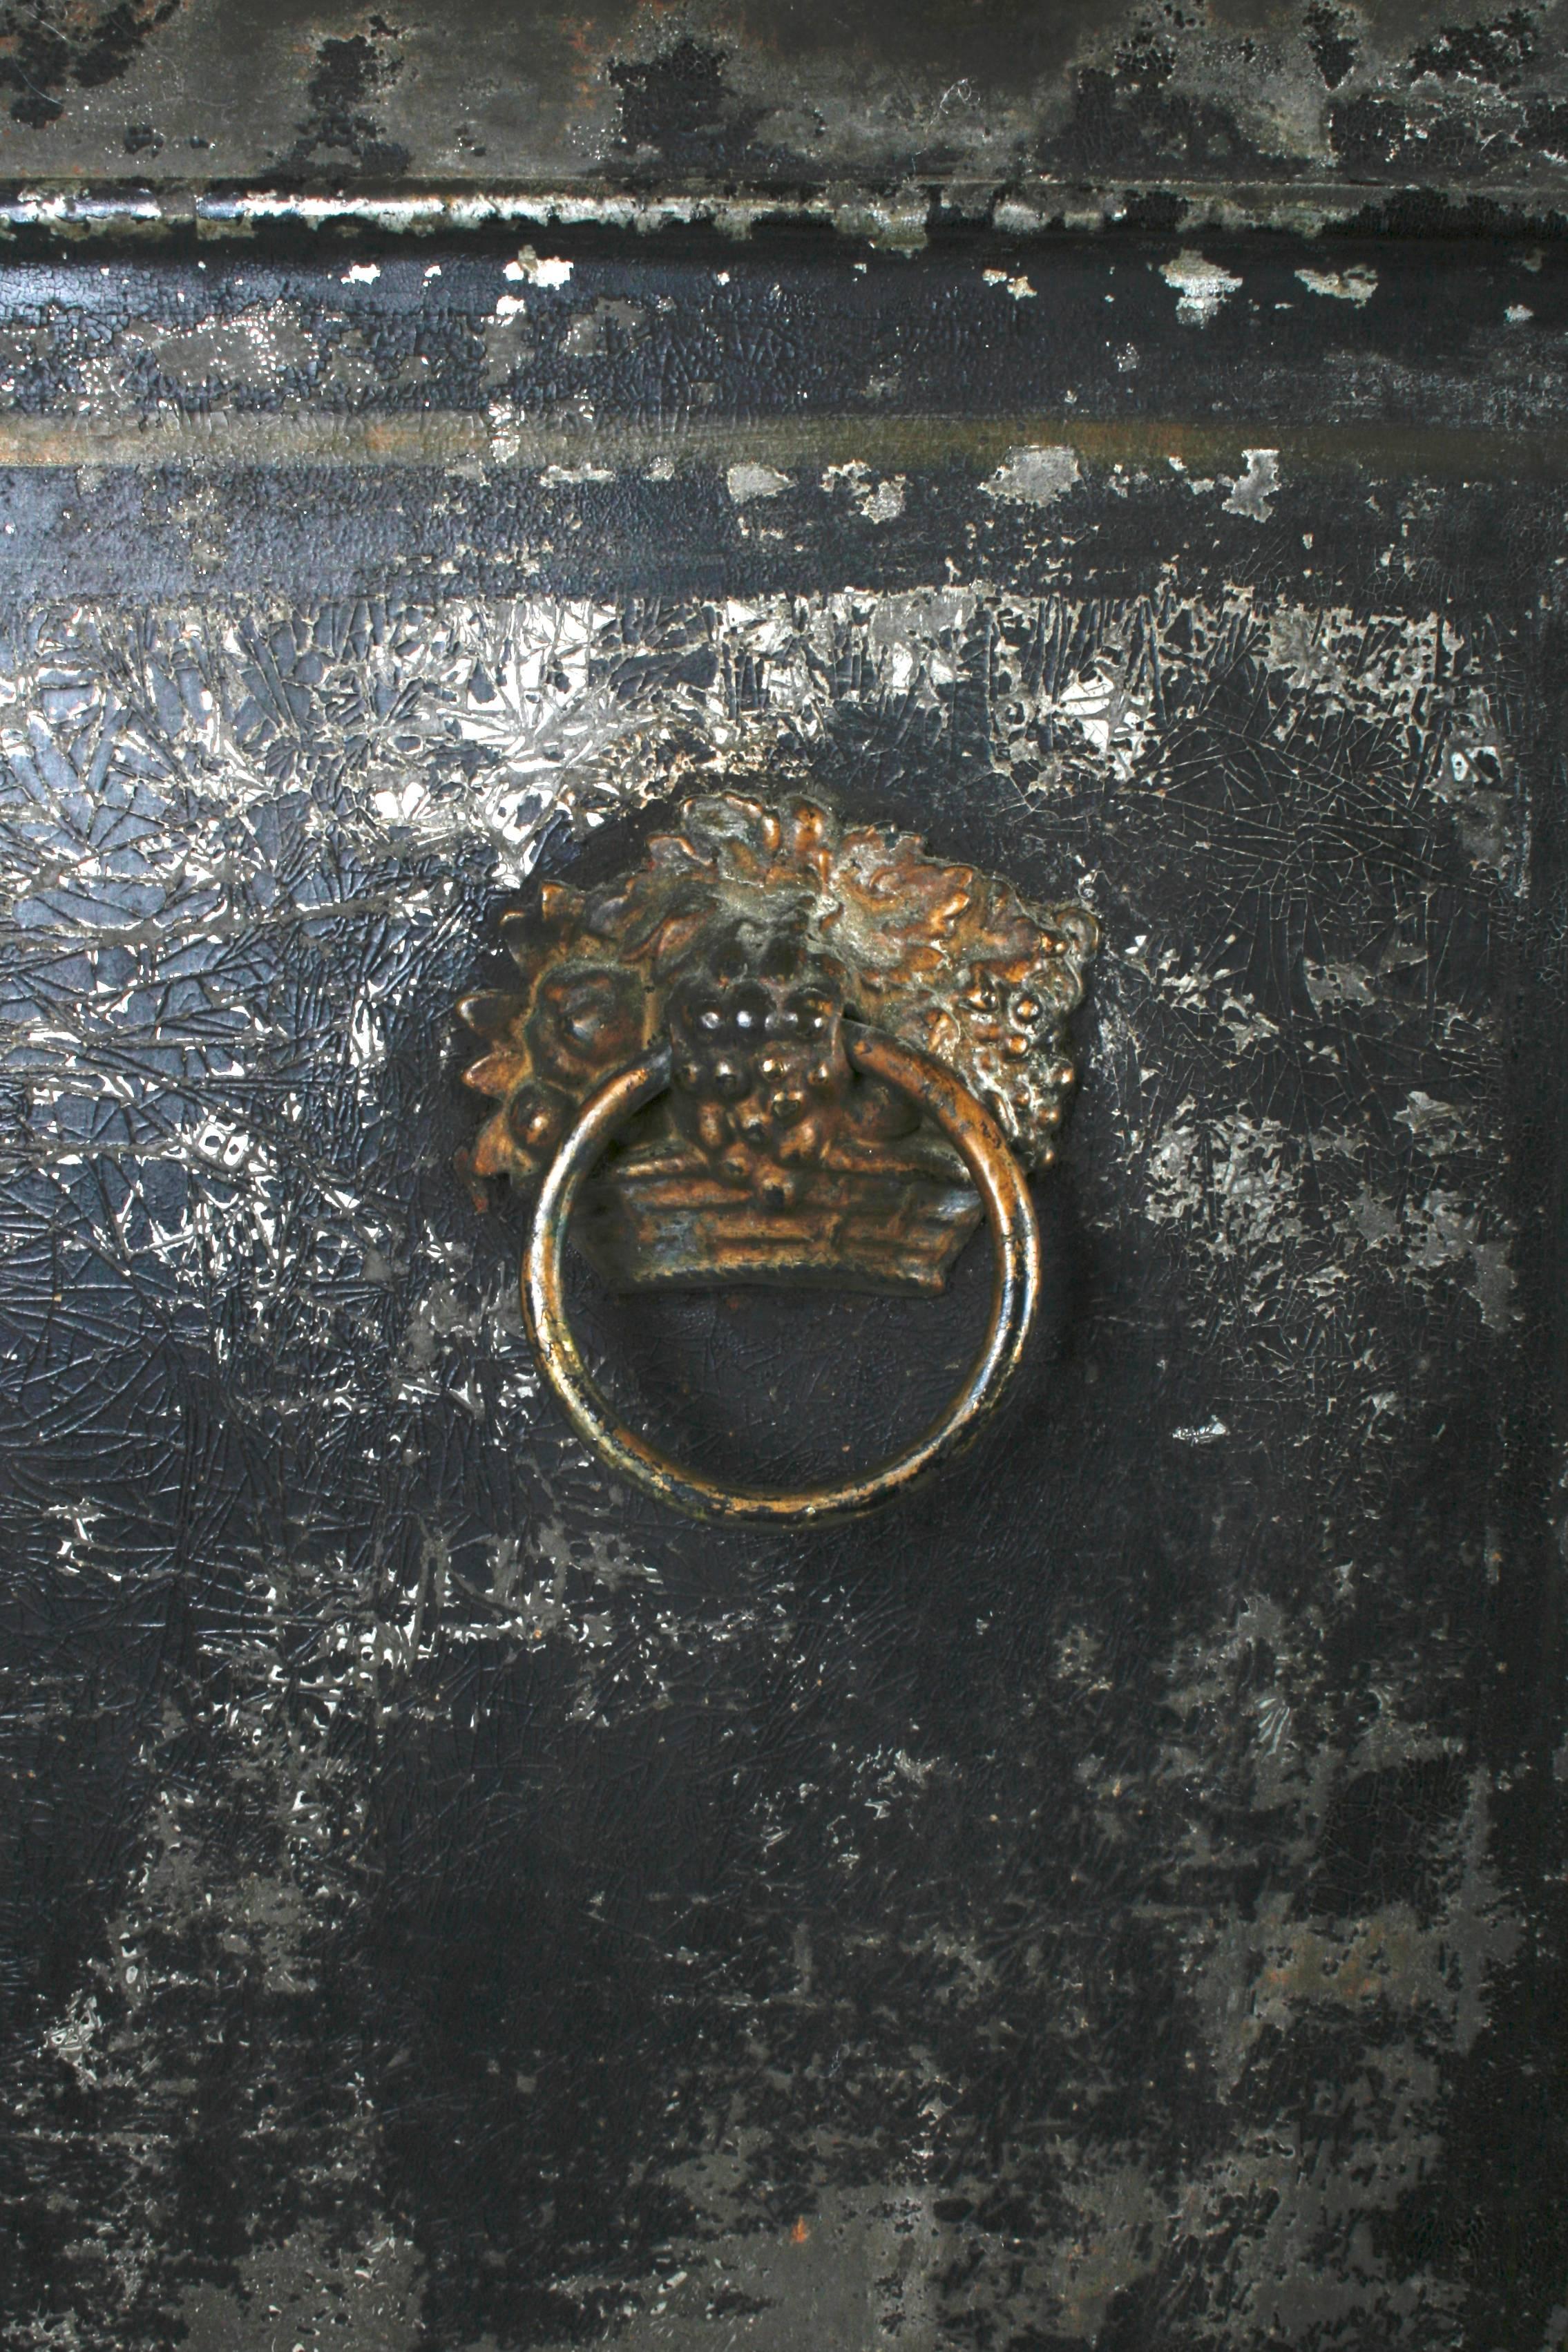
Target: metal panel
column 453, row 1902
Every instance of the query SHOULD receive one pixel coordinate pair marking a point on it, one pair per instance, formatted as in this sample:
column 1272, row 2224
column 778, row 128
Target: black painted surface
column 1116, row 1899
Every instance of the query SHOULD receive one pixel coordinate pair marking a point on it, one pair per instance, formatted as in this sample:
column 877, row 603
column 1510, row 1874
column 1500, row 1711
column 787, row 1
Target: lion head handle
column 748, row 936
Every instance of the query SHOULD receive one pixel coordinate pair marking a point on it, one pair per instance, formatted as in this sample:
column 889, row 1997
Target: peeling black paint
column 678, row 118
column 337, row 133
column 1501, row 53
column 1128, row 120
column 1331, row 37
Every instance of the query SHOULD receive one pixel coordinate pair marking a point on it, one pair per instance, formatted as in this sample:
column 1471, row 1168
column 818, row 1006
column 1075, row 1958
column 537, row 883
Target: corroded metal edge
column 890, row 218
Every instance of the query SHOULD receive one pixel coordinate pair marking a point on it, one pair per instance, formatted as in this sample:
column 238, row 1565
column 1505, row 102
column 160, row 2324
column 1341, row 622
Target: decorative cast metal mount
column 779, row 1051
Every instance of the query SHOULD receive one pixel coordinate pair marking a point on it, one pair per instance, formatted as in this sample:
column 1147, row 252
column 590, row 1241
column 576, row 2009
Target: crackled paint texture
column 387, row 1686
column 451, row 1904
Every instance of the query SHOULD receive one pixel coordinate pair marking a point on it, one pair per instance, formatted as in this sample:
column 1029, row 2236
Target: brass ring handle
column 1015, row 1242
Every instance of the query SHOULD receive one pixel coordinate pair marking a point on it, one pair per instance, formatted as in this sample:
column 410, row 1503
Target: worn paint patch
column 1201, row 286
column 1038, row 476
column 878, row 500
column 1357, row 284
column 307, row 2292
column 749, row 481
column 527, row 268
column 1250, row 493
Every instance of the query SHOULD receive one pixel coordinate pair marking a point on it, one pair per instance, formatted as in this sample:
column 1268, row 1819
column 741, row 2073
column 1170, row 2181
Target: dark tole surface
column 453, row 1906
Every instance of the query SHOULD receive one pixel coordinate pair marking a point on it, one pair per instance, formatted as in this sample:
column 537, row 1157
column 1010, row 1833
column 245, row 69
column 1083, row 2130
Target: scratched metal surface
column 450, row 1903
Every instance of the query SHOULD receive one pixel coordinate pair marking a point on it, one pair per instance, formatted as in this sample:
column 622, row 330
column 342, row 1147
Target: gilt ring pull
column 1016, row 1244
column 782, row 1050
